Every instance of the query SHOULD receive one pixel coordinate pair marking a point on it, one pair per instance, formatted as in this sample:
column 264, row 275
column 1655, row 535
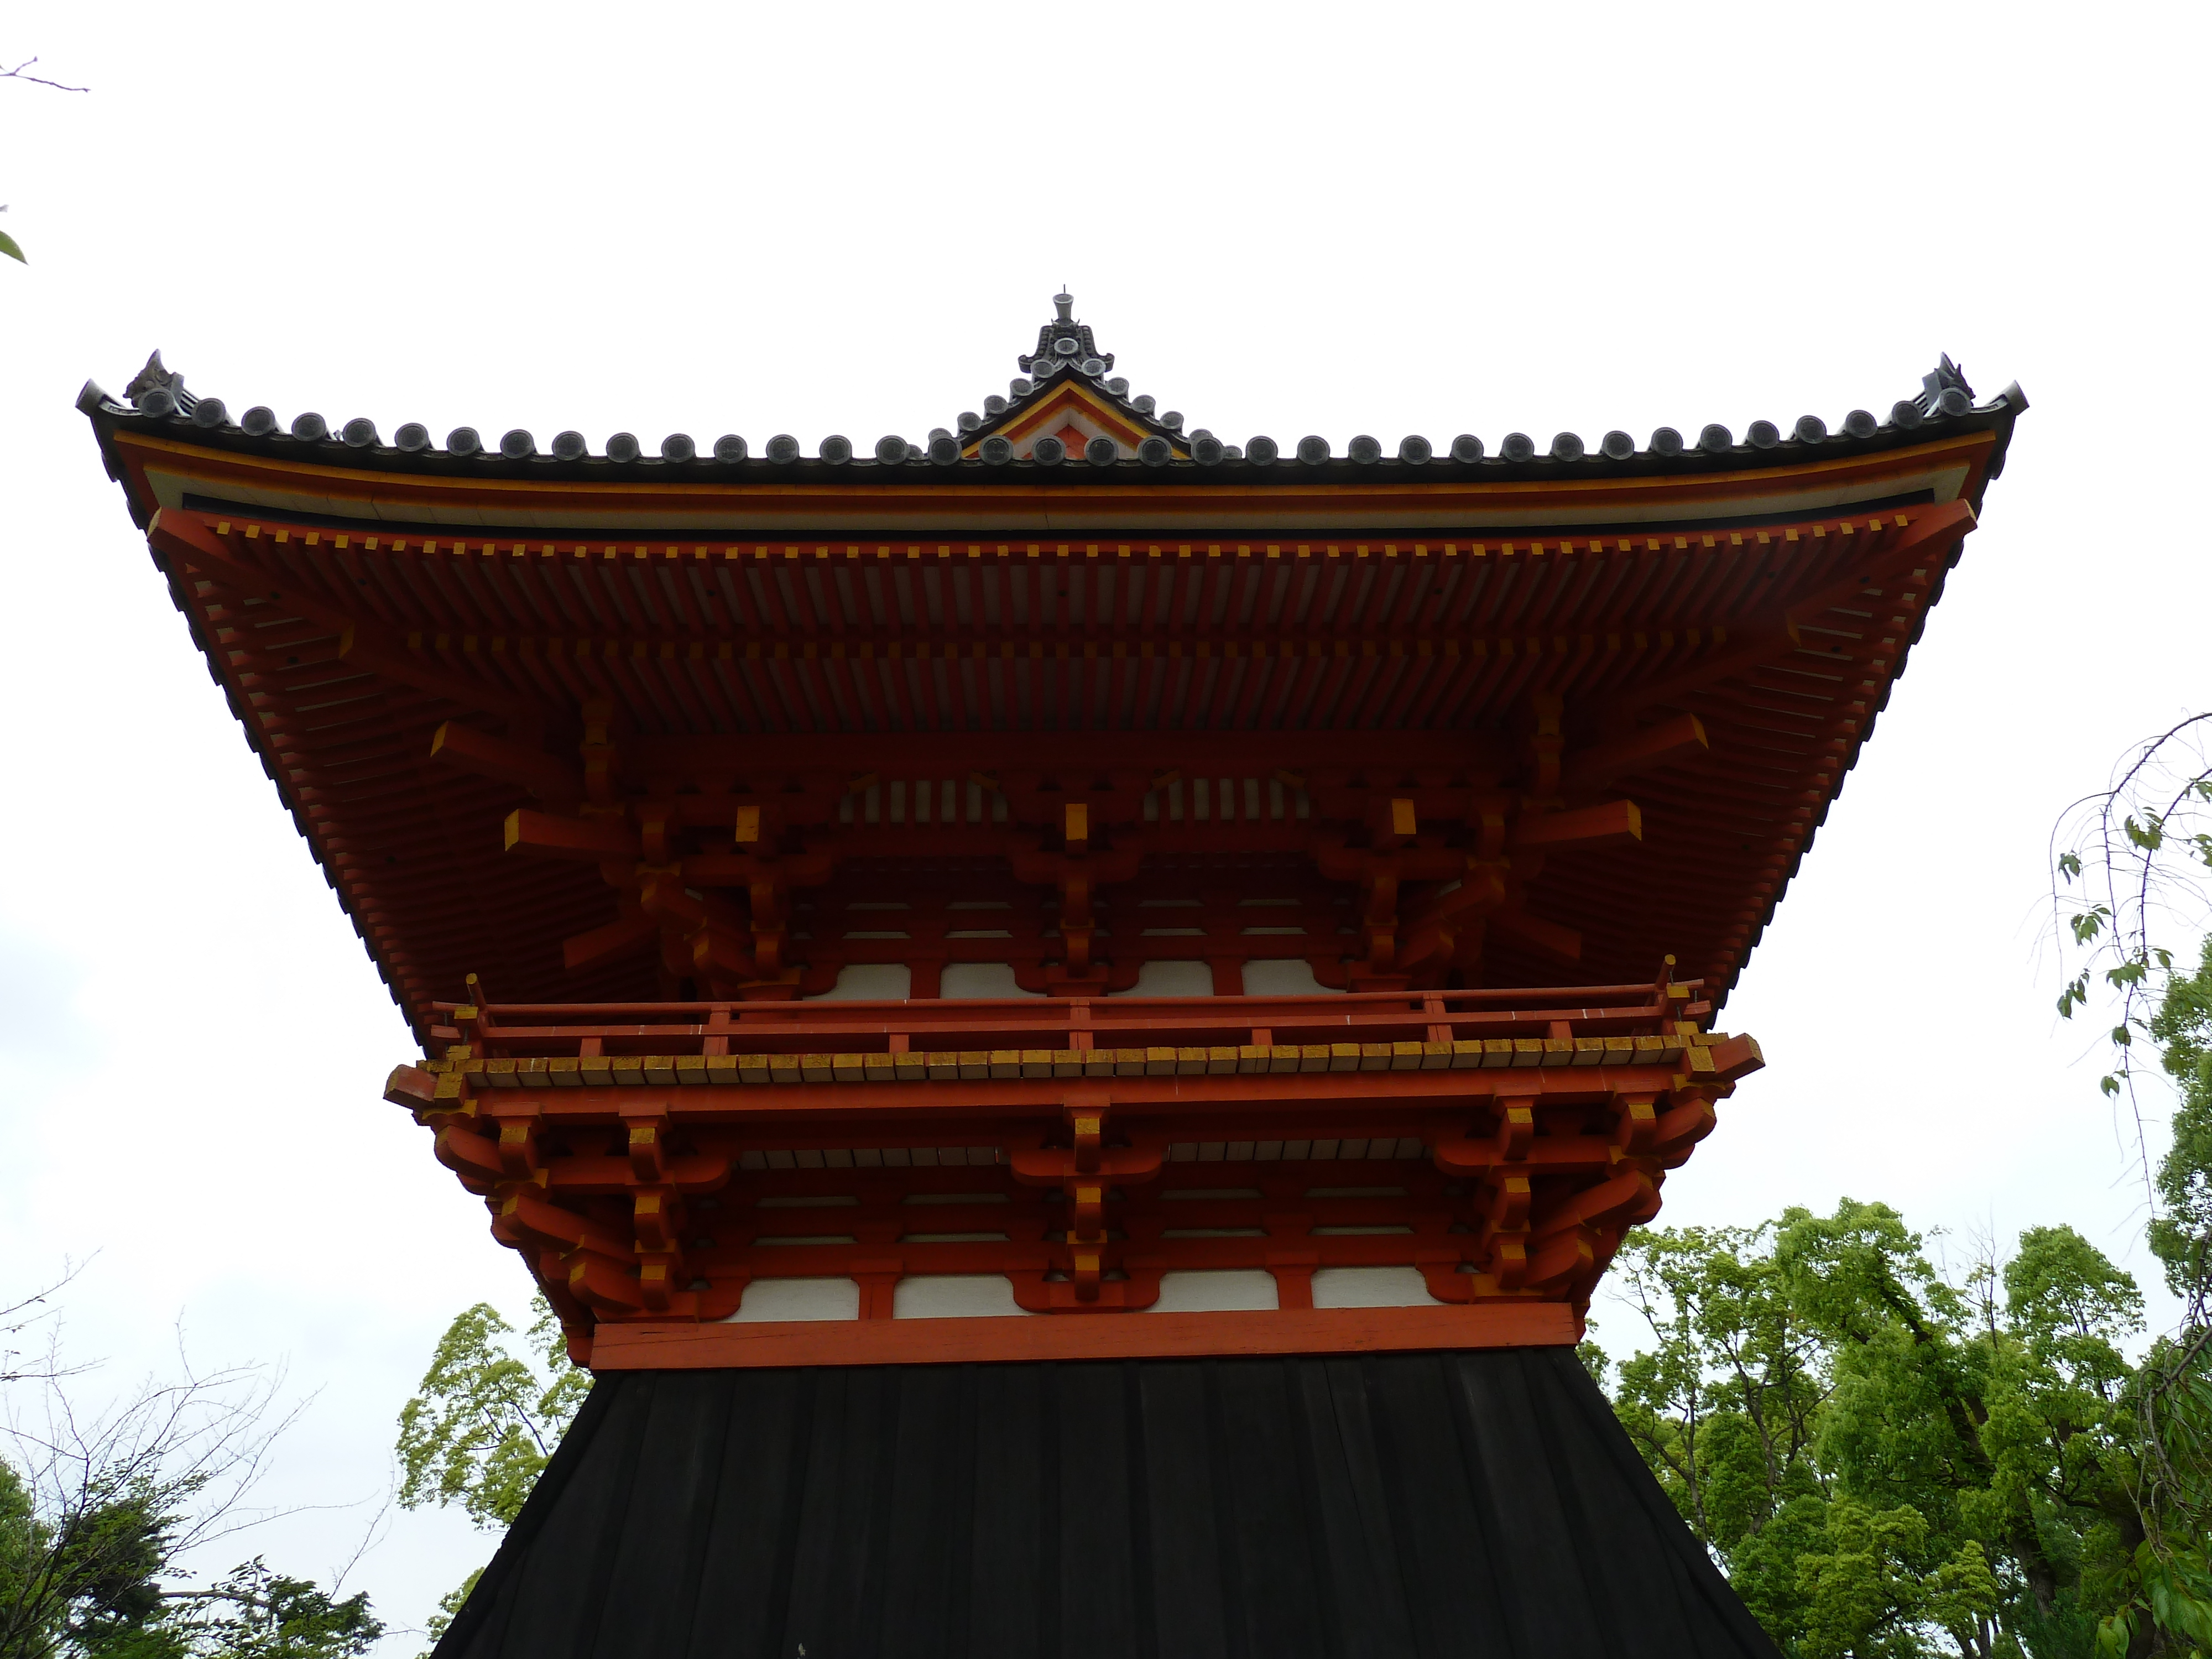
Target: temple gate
column 1068, row 1015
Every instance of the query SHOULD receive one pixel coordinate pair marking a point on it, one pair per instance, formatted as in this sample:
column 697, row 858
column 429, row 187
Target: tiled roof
column 1383, row 615
column 1155, row 444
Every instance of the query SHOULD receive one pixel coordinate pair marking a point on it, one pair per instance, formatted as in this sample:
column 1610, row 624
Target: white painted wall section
column 771, row 1300
column 955, row 1296
column 1371, row 1287
column 1216, row 1291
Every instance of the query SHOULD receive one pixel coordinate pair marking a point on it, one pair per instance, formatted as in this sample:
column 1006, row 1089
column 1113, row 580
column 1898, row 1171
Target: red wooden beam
column 1615, row 820
column 1666, row 744
column 466, row 749
column 363, row 645
column 558, row 836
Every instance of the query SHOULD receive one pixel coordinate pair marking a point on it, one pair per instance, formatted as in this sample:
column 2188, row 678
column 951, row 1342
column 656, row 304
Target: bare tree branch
column 17, row 74
column 34, row 1309
column 115, row 1493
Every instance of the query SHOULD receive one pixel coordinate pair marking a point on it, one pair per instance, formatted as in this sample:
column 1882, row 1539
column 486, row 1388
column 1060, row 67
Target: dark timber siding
column 1433, row 1504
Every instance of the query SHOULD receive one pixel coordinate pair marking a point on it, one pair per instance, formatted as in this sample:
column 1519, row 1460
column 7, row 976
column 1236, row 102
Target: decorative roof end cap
column 1935, row 385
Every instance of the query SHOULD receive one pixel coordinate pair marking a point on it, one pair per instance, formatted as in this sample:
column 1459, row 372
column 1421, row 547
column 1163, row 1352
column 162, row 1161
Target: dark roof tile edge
column 863, row 469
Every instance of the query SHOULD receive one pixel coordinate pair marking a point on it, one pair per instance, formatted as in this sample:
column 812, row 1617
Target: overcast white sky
column 849, row 219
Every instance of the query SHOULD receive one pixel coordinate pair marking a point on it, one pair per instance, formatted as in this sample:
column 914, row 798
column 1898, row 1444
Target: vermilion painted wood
column 757, row 639
column 651, row 1163
column 936, row 509
column 663, row 760
column 618, row 1347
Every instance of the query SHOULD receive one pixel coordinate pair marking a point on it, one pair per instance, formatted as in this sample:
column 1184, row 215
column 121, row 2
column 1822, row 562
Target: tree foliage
column 479, row 1433
column 1892, row 1460
column 2129, row 865
column 99, row 1509
column 487, row 1418
column 254, row 1613
column 449, row 1607
column 2130, row 881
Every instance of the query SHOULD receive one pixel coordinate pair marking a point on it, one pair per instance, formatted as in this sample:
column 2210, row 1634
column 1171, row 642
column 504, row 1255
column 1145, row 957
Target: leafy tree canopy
column 1890, row 1460
column 488, row 1419
column 103, row 1584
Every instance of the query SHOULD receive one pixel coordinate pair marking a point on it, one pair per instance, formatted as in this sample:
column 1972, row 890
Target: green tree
column 487, row 1418
column 2130, row 866
column 1723, row 1407
column 2165, row 1584
column 97, row 1509
column 1888, row 1462
column 479, row 1433
column 255, row 1614
column 449, row 1607
column 2181, row 1232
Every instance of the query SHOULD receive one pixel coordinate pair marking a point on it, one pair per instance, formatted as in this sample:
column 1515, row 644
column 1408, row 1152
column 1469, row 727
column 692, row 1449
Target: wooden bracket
column 1501, row 1244
column 454, row 1096
column 659, row 1215
column 1681, row 1126
column 1087, row 1261
column 1088, row 1217
column 518, row 1148
column 470, row 1155
column 659, row 1273
column 416, row 1088
column 1635, row 1123
column 648, row 1147
column 1087, row 1125
column 603, row 1286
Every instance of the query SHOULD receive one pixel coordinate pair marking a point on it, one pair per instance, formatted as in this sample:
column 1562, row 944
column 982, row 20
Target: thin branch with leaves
column 2129, row 867
column 9, row 245
column 2131, row 887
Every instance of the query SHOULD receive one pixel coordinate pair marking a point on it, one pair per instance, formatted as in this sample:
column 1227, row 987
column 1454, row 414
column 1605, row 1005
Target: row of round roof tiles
column 944, row 449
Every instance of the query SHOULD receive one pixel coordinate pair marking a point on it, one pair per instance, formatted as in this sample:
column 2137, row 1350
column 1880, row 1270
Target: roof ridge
column 1067, row 360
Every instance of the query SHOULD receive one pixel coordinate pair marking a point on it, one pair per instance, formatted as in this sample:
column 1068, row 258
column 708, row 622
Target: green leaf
column 2069, row 865
column 2111, row 1085
column 9, row 247
column 486, row 1419
column 2074, row 996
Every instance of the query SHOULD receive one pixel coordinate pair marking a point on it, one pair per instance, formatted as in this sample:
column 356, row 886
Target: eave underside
column 343, row 650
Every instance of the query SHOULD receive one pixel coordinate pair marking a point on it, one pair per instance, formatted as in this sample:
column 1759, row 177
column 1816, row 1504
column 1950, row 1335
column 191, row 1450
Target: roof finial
column 1065, row 345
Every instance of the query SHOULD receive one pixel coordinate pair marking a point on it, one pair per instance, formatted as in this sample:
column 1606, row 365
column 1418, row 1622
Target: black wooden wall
column 1357, row 1508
